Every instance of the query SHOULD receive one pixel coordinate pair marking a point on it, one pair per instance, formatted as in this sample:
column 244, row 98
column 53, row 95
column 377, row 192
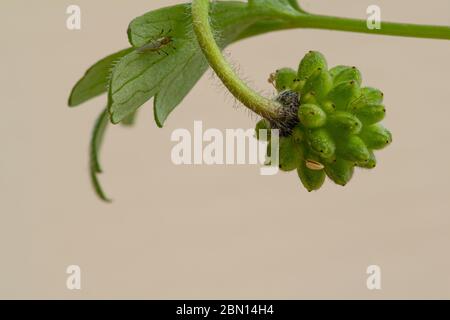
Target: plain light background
column 218, row 231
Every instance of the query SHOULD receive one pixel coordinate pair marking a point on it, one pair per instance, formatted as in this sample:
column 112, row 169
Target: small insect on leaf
column 159, row 44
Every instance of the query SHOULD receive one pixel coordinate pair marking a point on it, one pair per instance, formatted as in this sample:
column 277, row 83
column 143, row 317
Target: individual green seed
column 371, row 113
column 338, row 69
column 312, row 61
column 311, row 116
column 311, row 179
column 320, row 82
column 354, row 149
column 340, row 171
column 321, row 143
column 372, row 95
column 285, row 79
column 369, row 164
column 369, row 96
column 263, row 124
column 298, row 134
column 348, row 74
column 289, row 154
column 344, row 122
column 310, row 97
column 328, row 107
column 376, row 136
column 344, row 93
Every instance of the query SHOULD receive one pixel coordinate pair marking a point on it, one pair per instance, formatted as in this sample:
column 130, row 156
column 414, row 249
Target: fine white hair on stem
column 237, row 105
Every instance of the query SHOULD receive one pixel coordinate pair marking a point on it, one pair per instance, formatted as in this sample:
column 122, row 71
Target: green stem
column 264, row 107
column 387, row 28
column 314, row 21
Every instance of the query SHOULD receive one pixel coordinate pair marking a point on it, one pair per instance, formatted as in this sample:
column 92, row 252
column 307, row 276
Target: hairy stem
column 264, row 107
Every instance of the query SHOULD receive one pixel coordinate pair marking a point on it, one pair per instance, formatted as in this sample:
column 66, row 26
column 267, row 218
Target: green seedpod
column 312, row 61
column 369, row 96
column 290, row 154
column 371, row 113
column 369, row 164
column 328, row 107
column 321, row 143
column 340, row 171
column 354, row 149
column 311, row 179
column 310, row 97
column 320, row 82
column 372, row 95
column 344, row 122
column 263, row 124
column 344, row 93
column 298, row 134
column 348, row 74
column 376, row 136
column 311, row 116
column 285, row 79
column 338, row 69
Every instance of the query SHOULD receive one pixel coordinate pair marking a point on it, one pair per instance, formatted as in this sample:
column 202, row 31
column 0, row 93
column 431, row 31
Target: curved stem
column 264, row 107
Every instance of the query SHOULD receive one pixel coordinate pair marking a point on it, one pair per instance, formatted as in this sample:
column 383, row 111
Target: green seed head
column 338, row 125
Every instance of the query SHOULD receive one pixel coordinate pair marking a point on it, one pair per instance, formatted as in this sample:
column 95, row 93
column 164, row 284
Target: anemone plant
column 328, row 121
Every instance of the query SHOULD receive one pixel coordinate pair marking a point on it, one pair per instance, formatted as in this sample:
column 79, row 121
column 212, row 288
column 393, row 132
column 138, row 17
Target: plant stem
column 264, row 107
column 313, row 21
column 387, row 28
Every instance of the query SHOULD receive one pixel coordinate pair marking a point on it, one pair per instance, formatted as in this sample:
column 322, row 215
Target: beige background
column 216, row 232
